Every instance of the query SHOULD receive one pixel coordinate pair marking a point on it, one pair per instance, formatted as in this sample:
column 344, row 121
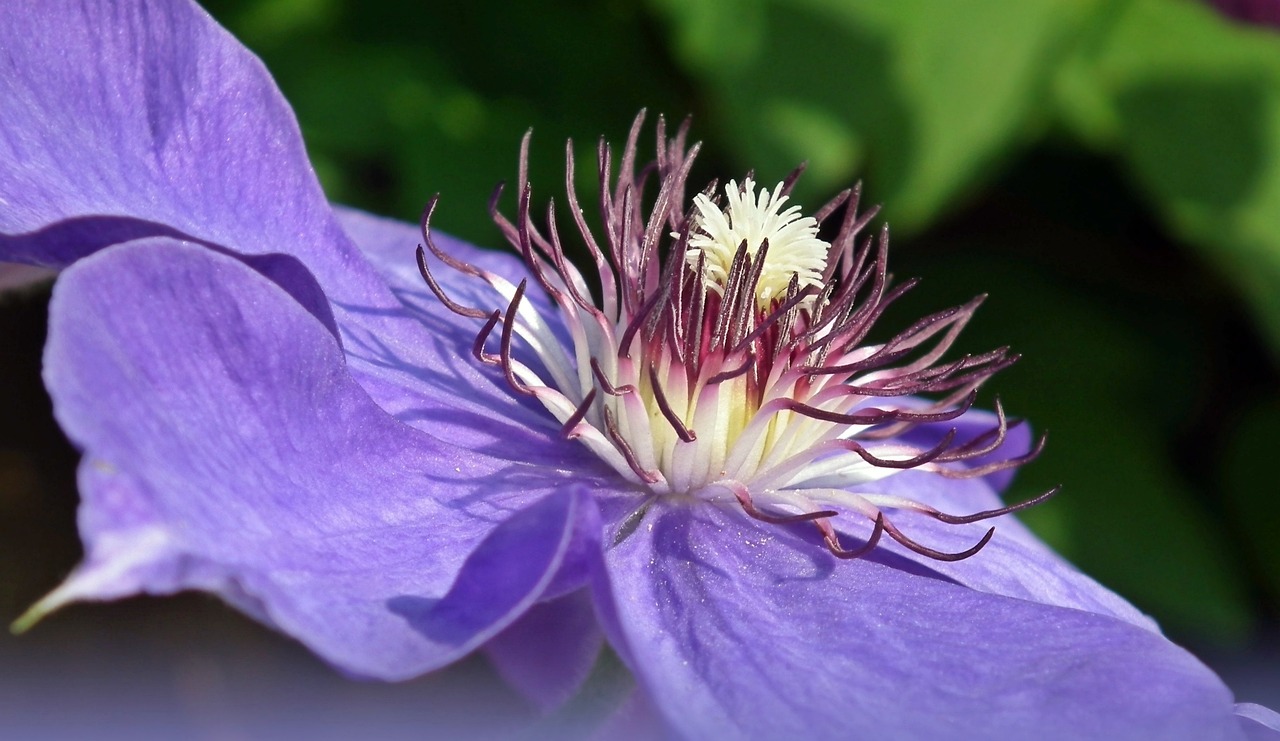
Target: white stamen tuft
column 794, row 247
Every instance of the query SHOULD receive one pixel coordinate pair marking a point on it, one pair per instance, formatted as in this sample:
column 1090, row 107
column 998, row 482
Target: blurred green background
column 1109, row 172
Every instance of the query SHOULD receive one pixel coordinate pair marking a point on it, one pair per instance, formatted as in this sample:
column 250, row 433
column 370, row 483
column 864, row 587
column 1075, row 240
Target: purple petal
column 142, row 118
column 1257, row 722
column 227, row 449
column 508, row 572
column 137, row 118
column 740, row 632
column 548, row 653
column 417, row 361
column 1015, row 563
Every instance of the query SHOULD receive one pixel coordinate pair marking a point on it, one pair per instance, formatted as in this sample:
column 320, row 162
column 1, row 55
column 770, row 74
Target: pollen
column 726, row 362
column 758, row 222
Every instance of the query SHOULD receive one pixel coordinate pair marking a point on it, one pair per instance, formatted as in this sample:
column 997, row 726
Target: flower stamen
column 727, row 352
column 833, row 541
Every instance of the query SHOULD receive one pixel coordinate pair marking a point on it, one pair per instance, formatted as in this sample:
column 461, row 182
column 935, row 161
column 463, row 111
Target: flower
column 274, row 408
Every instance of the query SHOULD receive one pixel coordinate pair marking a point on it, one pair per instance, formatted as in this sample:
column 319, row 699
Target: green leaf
column 924, row 97
column 1190, row 104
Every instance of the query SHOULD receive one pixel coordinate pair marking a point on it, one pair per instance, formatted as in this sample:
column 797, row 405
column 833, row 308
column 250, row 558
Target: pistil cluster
column 727, row 358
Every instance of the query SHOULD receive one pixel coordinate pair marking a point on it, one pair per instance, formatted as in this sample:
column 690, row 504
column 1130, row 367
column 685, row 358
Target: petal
column 424, row 345
column 513, row 568
column 138, row 118
column 1015, row 563
column 143, row 118
column 227, row 449
column 548, row 653
column 1258, row 723
column 742, row 633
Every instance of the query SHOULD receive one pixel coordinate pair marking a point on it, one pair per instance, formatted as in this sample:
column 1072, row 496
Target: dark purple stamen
column 603, row 381
column 987, row 515
column 664, row 406
column 578, row 414
column 477, row 347
column 833, row 541
column 611, row 429
column 934, row 554
column 748, row 506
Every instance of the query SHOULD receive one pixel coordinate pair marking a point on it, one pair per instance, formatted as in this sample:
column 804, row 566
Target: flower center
column 726, row 360
column 794, row 250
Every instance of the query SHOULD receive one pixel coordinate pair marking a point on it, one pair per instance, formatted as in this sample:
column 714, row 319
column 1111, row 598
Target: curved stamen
column 915, row 462
column 935, row 554
column 608, row 281
column 995, row 466
column 578, row 414
column 989, row 441
column 833, row 541
column 605, row 385
column 749, row 506
column 620, row 442
column 684, row 433
column 934, row 378
column 790, row 469
column 733, row 373
column 477, row 347
column 508, row 327
column 875, row 416
column 636, row 322
column 979, row 516
column 441, row 296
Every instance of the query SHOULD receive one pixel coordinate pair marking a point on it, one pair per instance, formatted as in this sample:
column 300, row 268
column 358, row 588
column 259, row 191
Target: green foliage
column 1189, row 103
column 919, row 97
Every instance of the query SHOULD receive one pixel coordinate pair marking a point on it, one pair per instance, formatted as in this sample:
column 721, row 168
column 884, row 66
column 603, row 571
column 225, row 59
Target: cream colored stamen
column 794, row 247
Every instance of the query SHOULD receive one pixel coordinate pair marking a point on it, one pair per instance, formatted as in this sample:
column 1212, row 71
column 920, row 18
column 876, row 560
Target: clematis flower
column 710, row 469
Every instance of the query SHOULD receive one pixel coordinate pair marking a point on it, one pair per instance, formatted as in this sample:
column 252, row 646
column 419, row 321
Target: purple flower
column 275, row 408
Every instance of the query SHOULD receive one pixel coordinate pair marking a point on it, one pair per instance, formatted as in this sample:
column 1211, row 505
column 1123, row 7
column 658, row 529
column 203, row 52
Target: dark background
column 1109, row 172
